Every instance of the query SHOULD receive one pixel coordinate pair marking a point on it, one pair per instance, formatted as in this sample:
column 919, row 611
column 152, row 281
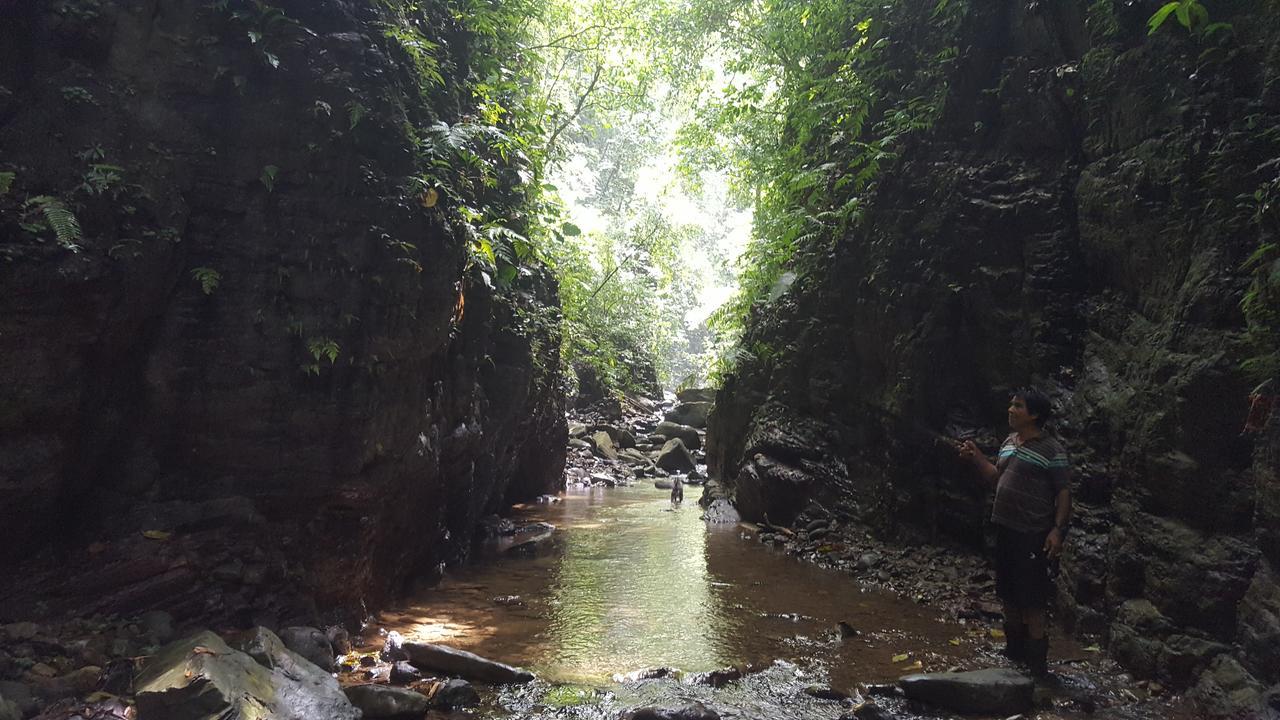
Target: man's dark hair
column 1037, row 403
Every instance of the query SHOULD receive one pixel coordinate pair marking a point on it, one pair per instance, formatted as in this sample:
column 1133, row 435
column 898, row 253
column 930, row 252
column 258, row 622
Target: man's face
column 1019, row 418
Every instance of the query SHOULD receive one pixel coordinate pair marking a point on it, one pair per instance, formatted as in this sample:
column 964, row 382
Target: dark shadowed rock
column 20, row 695
column 393, row 648
column 675, row 457
column 1227, row 690
column 403, row 672
column 444, row 659
column 868, row 711
column 311, row 643
column 694, row 711
column 383, row 701
column 718, row 678
column 201, row 676
column 721, row 512
column 998, row 691
column 455, row 693
column 826, row 692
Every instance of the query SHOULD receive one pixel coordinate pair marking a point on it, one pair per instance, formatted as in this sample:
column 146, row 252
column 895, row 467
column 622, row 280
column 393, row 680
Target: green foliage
column 323, row 347
column 102, row 179
column 207, row 278
column 355, row 113
column 320, row 348
column 77, row 95
column 1190, row 14
column 56, row 217
column 6, row 182
column 268, row 177
column 268, row 28
column 421, row 50
column 1261, row 302
column 568, row 696
column 824, row 94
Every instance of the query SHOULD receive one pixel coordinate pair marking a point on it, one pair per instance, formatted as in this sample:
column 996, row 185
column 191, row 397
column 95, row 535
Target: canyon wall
column 264, row 374
column 1077, row 218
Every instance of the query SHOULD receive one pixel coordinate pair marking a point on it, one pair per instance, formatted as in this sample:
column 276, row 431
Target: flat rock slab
column 200, row 677
column 995, row 691
column 452, row 661
column 382, row 701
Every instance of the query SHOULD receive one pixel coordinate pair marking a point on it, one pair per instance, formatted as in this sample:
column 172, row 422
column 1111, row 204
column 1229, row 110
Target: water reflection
column 632, row 592
column 630, row 582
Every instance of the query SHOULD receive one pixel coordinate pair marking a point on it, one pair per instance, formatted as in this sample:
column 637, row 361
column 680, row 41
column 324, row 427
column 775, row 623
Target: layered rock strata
column 1077, row 218
column 263, row 370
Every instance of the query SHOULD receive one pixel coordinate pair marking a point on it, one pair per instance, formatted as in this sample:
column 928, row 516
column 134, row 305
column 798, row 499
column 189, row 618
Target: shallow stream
column 630, row 581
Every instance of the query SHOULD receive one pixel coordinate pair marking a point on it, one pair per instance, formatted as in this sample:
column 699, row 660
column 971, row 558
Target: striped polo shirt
column 1031, row 476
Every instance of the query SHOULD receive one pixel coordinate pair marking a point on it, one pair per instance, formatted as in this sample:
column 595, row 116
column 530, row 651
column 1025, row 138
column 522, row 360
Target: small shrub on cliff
column 49, row 213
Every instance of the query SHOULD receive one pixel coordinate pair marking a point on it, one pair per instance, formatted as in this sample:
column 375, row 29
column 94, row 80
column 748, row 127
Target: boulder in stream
column 993, row 691
column 689, row 395
column 384, row 701
column 455, row 693
column 690, row 413
column 311, row 644
column 675, row 457
column 200, row 676
column 452, row 661
column 721, row 512
column 669, row 430
column 604, row 445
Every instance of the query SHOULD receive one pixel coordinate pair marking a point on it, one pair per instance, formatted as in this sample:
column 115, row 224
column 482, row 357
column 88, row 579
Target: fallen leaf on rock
column 900, row 657
column 1093, row 648
column 954, row 641
column 156, row 534
column 997, row 633
column 917, row 665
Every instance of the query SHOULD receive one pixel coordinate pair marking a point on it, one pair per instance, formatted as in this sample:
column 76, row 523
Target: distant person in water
column 677, row 489
column 1033, row 504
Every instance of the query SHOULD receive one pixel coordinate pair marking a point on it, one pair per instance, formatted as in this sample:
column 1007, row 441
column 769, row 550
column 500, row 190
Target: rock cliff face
column 263, row 347
column 1077, row 219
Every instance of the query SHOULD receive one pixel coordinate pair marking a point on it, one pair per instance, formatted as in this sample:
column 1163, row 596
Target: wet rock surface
column 451, row 661
column 989, row 692
column 201, row 676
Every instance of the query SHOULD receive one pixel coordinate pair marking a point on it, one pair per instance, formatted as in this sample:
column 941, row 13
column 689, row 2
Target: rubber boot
column 1015, row 642
column 1038, row 656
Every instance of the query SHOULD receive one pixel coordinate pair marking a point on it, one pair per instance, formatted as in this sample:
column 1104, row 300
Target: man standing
column 1032, row 506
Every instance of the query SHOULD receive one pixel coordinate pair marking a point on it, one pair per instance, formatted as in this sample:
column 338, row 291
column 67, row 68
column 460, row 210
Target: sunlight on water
column 632, row 594
column 628, row 581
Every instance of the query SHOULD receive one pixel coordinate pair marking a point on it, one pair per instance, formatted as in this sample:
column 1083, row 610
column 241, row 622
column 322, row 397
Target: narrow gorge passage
column 353, row 352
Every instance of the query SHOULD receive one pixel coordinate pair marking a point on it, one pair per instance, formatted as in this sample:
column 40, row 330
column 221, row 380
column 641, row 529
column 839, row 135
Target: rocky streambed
column 606, row 601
